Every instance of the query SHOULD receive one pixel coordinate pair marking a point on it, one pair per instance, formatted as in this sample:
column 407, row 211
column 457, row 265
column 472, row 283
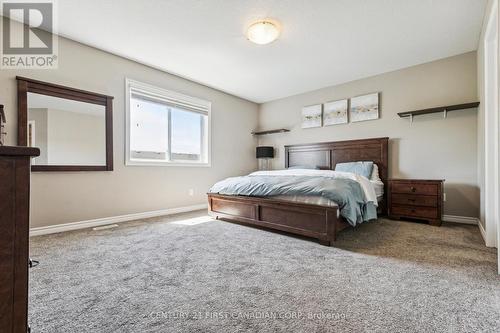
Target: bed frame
column 320, row 222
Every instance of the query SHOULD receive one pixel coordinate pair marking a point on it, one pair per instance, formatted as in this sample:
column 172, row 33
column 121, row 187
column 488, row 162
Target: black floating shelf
column 279, row 130
column 439, row 109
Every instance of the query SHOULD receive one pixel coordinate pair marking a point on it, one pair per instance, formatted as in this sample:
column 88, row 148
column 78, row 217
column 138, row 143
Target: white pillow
column 375, row 177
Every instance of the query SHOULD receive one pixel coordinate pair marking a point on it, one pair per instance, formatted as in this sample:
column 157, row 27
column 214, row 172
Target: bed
column 313, row 219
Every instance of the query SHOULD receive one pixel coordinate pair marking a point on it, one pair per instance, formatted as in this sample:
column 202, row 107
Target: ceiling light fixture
column 263, row 32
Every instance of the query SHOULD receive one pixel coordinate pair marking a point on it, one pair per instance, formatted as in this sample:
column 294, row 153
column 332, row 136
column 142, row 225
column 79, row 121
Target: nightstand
column 416, row 199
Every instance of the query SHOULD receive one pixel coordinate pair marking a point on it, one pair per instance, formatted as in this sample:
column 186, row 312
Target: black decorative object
column 265, row 152
column 3, row 120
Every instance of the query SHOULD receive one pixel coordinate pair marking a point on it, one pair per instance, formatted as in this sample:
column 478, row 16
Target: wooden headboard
column 326, row 155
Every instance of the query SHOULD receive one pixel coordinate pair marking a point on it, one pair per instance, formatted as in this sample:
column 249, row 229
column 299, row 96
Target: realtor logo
column 28, row 35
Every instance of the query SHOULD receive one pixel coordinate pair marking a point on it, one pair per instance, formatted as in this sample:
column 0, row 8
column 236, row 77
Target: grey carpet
column 157, row 276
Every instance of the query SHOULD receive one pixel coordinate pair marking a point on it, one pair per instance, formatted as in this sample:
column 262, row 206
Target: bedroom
column 119, row 233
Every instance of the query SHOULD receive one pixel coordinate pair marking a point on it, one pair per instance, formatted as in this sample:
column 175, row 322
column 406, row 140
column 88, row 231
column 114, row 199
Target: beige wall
column 431, row 147
column 68, row 197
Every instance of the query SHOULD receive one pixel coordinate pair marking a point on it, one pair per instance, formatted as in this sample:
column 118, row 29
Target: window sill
column 167, row 164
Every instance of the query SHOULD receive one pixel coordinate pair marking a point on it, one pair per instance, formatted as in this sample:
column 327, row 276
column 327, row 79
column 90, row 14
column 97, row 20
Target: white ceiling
column 323, row 42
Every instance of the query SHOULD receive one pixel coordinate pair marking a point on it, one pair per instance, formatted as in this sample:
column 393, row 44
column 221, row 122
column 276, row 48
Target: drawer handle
column 413, row 189
column 411, row 200
column 413, row 210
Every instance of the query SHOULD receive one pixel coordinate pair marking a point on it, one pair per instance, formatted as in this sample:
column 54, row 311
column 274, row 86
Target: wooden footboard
column 320, row 222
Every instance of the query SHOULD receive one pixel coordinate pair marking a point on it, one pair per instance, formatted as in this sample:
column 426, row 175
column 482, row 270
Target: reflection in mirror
column 68, row 132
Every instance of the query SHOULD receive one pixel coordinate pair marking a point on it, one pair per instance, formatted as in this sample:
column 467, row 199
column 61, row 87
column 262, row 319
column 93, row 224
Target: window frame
column 172, row 96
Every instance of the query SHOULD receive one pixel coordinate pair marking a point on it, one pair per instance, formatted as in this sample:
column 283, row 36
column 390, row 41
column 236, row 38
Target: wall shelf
column 443, row 109
column 279, row 130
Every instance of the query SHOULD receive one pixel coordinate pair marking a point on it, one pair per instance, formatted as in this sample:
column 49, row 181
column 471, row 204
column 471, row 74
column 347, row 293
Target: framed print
column 335, row 112
column 311, row 116
column 364, row 107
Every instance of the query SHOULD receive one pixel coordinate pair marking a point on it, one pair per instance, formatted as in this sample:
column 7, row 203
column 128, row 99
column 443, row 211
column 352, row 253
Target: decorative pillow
column 375, row 177
column 361, row 168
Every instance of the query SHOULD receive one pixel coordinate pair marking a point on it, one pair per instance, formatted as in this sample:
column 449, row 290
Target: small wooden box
column 416, row 199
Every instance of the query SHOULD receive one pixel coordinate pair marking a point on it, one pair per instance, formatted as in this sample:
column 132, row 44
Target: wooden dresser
column 14, row 236
column 416, row 199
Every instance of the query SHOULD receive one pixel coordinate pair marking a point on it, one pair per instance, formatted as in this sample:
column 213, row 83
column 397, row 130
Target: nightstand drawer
column 415, row 200
column 412, row 188
column 415, row 211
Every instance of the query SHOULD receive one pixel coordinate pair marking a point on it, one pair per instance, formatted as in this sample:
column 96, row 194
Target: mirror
column 71, row 127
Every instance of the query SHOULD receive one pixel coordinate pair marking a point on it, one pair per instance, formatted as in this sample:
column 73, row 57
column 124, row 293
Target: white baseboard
column 460, row 219
column 466, row 220
column 483, row 232
column 52, row 229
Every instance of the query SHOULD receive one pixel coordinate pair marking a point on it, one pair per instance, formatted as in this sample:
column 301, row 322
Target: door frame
column 491, row 130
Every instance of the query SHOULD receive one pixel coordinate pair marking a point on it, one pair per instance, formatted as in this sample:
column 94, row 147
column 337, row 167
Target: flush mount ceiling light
column 263, row 32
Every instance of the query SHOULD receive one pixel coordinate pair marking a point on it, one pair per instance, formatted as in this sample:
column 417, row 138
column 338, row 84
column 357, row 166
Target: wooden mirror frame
column 25, row 85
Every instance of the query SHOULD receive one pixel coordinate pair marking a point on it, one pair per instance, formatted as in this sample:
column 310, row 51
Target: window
column 166, row 128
